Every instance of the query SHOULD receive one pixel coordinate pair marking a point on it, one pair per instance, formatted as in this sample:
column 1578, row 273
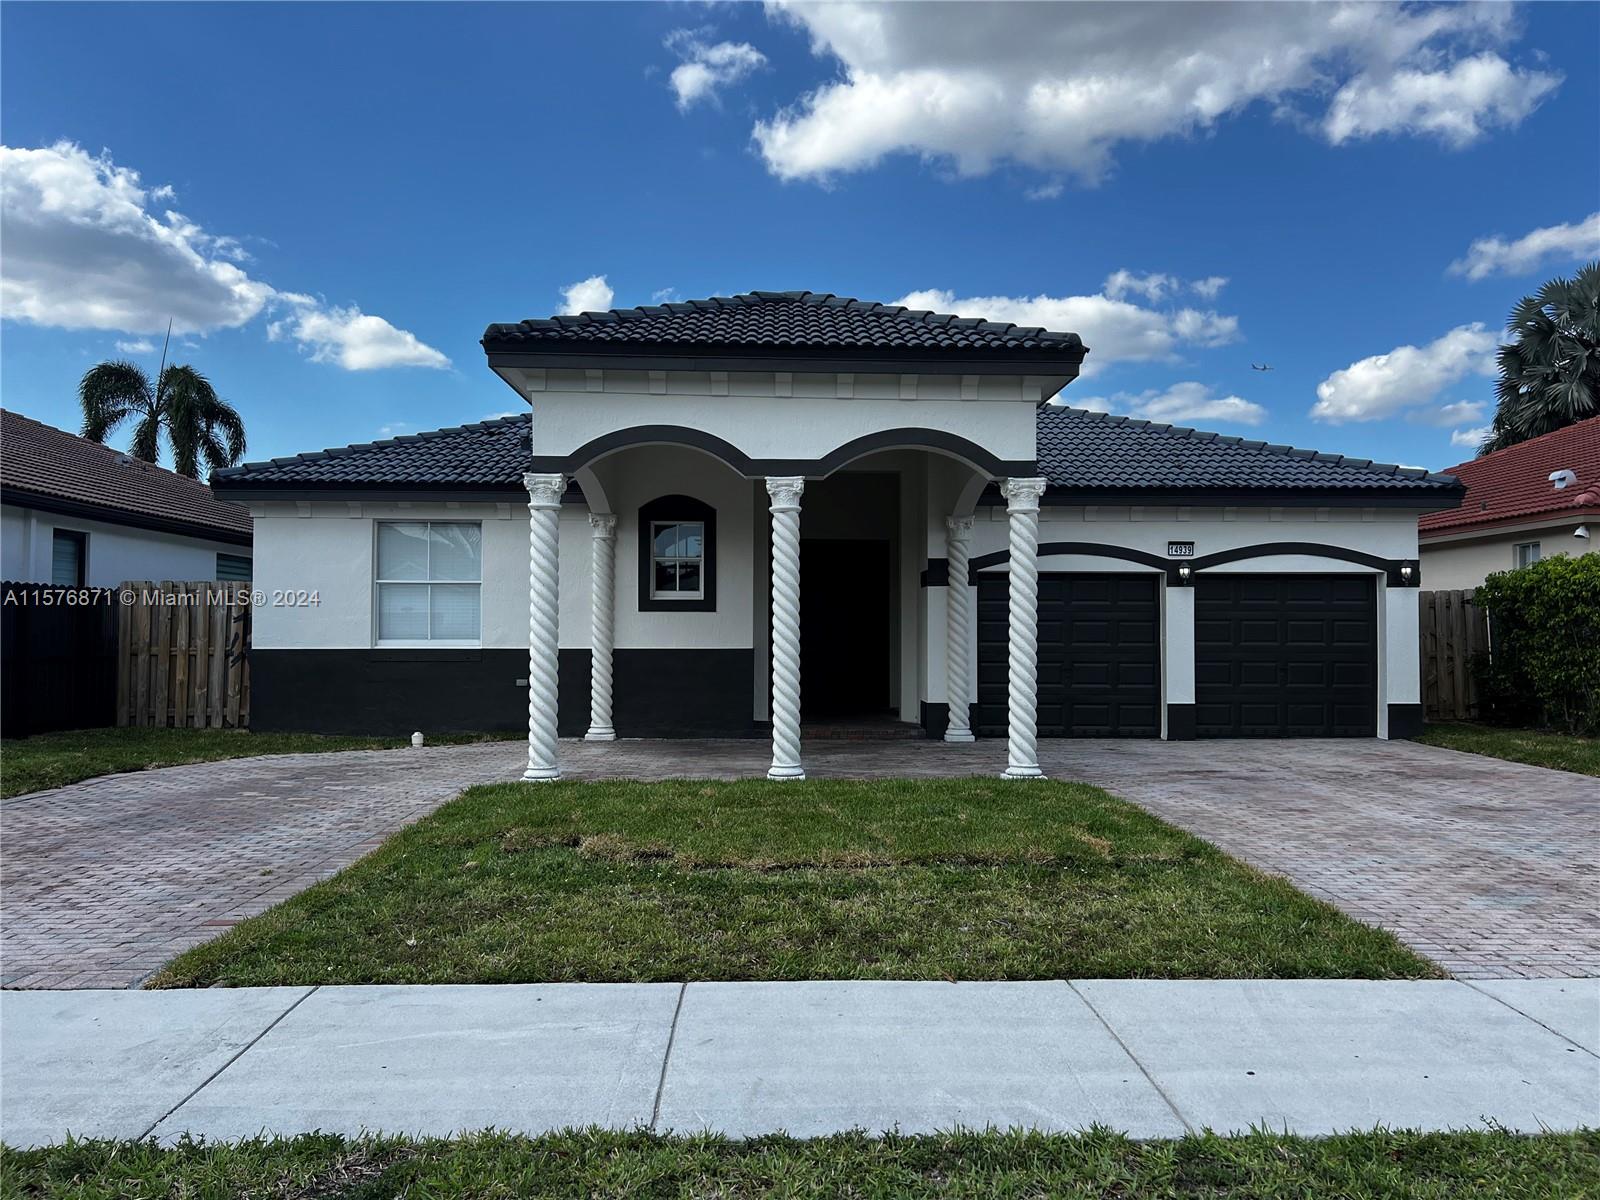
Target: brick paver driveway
column 1487, row 867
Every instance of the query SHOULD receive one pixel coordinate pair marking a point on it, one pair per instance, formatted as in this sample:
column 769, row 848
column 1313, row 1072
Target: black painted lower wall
column 656, row 693
column 1405, row 720
column 935, row 718
column 1180, row 722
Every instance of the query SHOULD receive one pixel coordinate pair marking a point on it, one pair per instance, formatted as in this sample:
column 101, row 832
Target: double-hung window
column 429, row 576
column 1525, row 554
column 677, row 555
column 677, row 560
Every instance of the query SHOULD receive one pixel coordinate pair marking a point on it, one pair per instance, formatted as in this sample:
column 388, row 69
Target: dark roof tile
column 800, row 320
column 1078, row 450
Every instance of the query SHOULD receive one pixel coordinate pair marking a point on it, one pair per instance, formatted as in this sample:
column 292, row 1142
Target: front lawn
column 1362, row 1166
column 52, row 760
column 1563, row 751
column 690, row 880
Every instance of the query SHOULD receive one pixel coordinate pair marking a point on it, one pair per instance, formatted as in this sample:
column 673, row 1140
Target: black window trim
column 678, row 508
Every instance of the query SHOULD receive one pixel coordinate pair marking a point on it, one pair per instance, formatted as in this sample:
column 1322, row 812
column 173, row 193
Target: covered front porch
column 706, row 590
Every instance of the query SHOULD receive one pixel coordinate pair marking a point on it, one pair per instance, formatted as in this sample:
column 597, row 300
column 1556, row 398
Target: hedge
column 1544, row 632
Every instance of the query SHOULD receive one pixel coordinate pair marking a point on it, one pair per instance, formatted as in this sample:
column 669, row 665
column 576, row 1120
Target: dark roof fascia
column 45, row 502
column 797, row 359
column 1419, row 501
column 246, row 490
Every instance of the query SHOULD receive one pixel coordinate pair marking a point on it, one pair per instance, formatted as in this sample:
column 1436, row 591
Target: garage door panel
column 1285, row 656
column 1099, row 652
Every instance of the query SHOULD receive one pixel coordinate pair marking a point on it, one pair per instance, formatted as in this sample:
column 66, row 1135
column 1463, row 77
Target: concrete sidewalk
column 1149, row 1057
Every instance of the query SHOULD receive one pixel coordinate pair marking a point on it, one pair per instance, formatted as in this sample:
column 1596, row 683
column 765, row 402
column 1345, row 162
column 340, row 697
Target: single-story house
column 748, row 514
column 78, row 514
column 1526, row 502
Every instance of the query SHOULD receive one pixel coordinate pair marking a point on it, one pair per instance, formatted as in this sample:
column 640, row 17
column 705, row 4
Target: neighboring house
column 1514, row 513
column 761, row 505
column 79, row 514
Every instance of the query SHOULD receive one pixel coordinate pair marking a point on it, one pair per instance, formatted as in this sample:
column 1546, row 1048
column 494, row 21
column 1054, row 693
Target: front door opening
column 846, row 604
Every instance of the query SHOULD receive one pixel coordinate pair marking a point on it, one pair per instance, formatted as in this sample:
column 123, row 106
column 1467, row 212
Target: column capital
column 785, row 491
column 959, row 529
column 544, row 491
column 603, row 525
column 1022, row 495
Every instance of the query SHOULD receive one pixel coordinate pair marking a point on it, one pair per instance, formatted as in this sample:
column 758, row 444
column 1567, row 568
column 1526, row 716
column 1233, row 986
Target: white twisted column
column 1022, row 751
column 602, row 624
column 544, row 562
column 785, row 492
column 958, row 628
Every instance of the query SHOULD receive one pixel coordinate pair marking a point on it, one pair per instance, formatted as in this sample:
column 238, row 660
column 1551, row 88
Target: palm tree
column 1549, row 376
column 198, row 423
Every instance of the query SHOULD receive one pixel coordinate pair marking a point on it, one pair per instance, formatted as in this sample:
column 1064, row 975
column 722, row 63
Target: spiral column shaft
column 1022, row 655
column 544, row 562
column 785, row 492
column 958, row 630
column 602, row 623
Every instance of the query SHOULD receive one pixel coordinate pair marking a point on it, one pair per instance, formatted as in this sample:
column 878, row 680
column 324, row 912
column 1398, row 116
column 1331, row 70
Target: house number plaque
column 1180, row 549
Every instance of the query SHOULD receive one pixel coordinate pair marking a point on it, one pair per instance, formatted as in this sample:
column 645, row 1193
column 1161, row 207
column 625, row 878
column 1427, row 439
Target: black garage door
column 1099, row 656
column 1286, row 656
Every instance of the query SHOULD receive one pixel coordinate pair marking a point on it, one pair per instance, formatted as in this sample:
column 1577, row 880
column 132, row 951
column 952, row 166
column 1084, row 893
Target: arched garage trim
column 1095, row 549
column 1392, row 567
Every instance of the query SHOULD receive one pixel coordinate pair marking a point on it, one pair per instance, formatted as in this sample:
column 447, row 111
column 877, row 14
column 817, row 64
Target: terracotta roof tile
column 1514, row 484
column 41, row 460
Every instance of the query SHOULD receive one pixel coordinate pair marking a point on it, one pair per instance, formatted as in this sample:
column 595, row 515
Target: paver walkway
column 1485, row 866
column 1149, row 1057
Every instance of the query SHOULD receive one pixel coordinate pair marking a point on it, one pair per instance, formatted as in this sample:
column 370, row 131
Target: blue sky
column 363, row 188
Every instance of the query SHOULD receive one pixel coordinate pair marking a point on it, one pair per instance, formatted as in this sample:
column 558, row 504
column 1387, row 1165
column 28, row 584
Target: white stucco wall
column 759, row 415
column 115, row 553
column 1451, row 565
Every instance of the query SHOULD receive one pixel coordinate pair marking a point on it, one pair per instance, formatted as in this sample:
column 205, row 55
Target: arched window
column 677, row 555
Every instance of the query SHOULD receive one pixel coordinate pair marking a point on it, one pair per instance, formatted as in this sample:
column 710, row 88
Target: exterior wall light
column 1185, row 576
column 1406, row 573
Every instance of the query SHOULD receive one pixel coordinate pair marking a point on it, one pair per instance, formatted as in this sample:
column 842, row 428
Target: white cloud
column 1045, row 191
column 1406, row 377
column 1187, row 401
column 1211, row 286
column 593, row 294
column 136, row 346
column 1154, row 286
column 83, row 250
column 1470, row 437
column 1496, row 256
column 350, row 338
column 1447, row 415
column 1059, row 87
column 1115, row 330
column 708, row 66
column 1457, row 105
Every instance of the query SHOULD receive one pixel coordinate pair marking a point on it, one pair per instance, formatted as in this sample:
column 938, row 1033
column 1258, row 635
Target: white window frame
column 669, row 597
column 383, row 643
column 1517, row 556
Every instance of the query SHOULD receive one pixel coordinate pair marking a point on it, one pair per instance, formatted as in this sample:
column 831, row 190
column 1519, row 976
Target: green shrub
column 1544, row 623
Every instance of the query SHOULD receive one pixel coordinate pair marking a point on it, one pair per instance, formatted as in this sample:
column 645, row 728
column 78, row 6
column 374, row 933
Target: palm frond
column 108, row 392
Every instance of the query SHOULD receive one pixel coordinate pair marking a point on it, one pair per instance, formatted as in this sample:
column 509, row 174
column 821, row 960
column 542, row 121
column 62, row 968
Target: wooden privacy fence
column 183, row 655
column 1455, row 630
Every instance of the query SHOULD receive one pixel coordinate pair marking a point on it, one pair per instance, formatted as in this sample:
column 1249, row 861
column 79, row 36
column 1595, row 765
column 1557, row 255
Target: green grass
column 947, row 879
column 594, row 1164
column 1563, row 751
column 52, row 760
